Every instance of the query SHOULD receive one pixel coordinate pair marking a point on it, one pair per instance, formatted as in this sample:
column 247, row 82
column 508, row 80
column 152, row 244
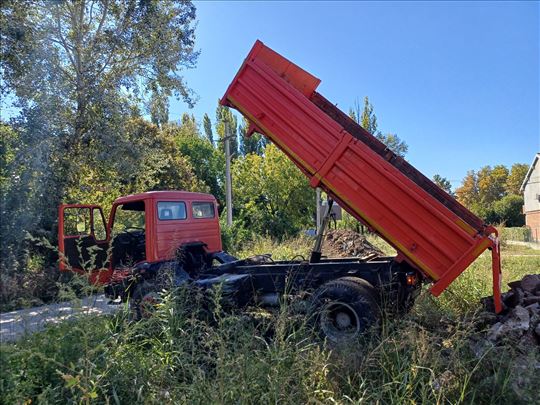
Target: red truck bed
column 428, row 227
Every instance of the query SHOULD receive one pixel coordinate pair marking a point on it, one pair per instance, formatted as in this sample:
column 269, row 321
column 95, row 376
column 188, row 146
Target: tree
column 368, row 120
column 516, row 177
column 80, row 72
column 508, row 210
column 207, row 162
column 467, row 193
column 252, row 144
column 443, row 183
column 207, row 124
column 79, row 69
column 491, row 184
column 271, row 195
column 224, row 118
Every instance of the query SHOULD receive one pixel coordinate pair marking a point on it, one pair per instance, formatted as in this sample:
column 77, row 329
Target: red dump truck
column 430, row 230
column 176, row 233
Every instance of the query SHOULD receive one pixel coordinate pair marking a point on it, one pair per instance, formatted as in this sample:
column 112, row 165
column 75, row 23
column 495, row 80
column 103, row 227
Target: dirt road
column 16, row 324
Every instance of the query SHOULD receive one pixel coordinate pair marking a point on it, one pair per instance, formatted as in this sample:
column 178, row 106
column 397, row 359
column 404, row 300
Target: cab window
column 77, row 222
column 100, row 230
column 129, row 216
column 171, row 210
column 203, row 210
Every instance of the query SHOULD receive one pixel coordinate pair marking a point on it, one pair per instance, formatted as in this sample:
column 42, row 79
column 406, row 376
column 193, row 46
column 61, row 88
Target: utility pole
column 228, row 180
column 318, row 205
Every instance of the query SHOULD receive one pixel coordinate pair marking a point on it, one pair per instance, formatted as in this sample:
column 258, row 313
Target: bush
column 509, row 210
column 521, row 234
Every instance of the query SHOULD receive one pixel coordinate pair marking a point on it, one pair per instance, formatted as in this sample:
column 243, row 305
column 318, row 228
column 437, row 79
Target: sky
column 458, row 82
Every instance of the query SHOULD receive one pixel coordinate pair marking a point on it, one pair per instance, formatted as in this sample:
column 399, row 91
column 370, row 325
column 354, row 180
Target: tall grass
column 194, row 351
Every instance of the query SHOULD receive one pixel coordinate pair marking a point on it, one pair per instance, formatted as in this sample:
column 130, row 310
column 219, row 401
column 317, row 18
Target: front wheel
column 343, row 309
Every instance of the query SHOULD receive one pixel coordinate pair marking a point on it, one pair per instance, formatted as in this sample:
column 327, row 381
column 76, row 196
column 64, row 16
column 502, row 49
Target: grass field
column 255, row 357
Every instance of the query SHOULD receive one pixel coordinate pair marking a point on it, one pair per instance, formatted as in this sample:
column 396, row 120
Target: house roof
column 531, row 168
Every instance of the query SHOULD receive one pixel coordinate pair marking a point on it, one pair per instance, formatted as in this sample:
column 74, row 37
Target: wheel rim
column 339, row 321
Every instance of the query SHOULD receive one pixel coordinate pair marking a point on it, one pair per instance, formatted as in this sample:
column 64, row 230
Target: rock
column 480, row 347
column 531, row 283
column 533, row 308
column 527, row 340
column 537, row 330
column 525, row 371
column 513, row 298
column 533, row 299
column 486, row 318
column 516, row 323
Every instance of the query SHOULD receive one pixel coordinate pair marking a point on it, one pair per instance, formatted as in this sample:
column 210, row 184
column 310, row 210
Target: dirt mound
column 520, row 319
column 347, row 243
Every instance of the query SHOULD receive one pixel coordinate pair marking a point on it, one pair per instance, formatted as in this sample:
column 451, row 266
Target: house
column 531, row 194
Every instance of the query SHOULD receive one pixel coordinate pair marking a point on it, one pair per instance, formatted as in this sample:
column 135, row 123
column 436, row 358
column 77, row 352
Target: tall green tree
column 207, row 162
column 69, row 58
column 207, row 124
column 271, row 195
column 492, row 184
column 365, row 116
column 78, row 72
column 516, row 177
column 443, row 183
column 225, row 118
column 252, row 144
column 468, row 193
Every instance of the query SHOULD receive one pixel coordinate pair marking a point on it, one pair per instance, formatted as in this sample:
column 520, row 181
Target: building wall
column 532, row 220
column 532, row 190
column 531, row 208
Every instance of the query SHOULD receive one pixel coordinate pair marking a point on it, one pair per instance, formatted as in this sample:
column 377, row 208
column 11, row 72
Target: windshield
column 129, row 216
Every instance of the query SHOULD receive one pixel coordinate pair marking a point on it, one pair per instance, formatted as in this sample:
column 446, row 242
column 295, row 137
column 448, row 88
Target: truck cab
column 142, row 229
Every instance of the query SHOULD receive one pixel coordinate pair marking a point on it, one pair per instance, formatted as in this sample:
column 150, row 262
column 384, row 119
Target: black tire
column 344, row 309
column 145, row 297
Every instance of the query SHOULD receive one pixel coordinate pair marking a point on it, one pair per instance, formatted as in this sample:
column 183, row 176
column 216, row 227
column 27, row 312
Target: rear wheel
column 343, row 309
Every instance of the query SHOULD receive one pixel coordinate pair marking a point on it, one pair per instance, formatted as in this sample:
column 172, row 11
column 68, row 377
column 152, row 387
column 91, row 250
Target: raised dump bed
column 429, row 228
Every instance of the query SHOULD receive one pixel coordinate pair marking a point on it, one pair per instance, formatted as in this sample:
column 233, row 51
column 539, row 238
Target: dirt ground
column 347, row 243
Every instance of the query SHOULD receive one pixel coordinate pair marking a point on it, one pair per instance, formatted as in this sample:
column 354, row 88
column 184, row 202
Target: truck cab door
column 83, row 241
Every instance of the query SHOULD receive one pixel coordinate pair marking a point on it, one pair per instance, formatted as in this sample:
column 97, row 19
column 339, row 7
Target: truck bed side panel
column 431, row 230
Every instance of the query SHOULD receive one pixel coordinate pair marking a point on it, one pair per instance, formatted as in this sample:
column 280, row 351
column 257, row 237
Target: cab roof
column 166, row 195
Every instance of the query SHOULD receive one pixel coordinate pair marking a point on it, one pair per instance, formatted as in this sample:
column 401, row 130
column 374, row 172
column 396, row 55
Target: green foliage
column 509, row 210
column 80, row 73
column 368, row 120
column 252, row 144
column 271, row 195
column 227, row 121
column 207, row 124
column 516, row 177
column 443, row 183
column 207, row 162
column 521, row 234
column 490, row 193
